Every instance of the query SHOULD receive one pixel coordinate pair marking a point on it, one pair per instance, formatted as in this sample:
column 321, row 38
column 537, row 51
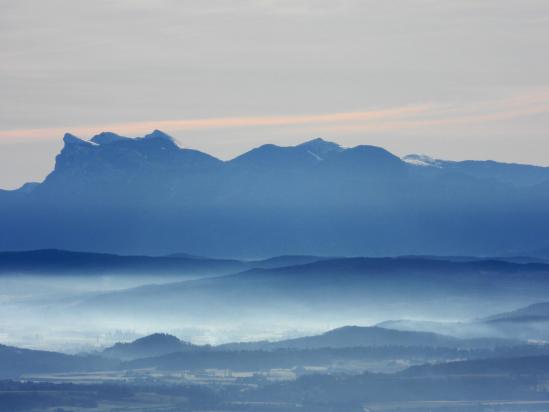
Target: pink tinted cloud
column 416, row 116
column 223, row 122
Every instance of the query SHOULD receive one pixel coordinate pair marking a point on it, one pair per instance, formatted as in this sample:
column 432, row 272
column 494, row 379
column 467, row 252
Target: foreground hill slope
column 525, row 365
column 16, row 361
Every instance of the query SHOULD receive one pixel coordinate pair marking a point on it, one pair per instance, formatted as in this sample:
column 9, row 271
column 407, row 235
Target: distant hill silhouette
column 356, row 336
column 526, row 323
column 149, row 346
column 147, row 196
column 283, row 261
column 58, row 262
column 538, row 312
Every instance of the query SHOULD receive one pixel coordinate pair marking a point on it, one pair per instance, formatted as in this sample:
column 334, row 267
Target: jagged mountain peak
column 321, row 147
column 319, row 141
column 110, row 160
column 107, row 138
column 158, row 134
column 70, row 139
column 104, row 138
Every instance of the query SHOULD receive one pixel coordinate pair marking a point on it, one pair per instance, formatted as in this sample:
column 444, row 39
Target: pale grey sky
column 451, row 78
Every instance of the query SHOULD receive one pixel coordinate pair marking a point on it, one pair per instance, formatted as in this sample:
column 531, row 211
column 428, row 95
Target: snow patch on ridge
column 422, row 160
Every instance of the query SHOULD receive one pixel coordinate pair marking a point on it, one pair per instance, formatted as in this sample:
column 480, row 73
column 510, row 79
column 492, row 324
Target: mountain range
column 148, row 196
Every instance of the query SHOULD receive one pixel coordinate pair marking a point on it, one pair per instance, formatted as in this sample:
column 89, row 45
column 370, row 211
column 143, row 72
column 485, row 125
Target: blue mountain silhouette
column 149, row 196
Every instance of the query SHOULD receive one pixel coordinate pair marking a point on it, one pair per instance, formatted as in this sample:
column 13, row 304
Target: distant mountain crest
column 160, row 135
column 321, row 147
column 365, row 336
column 107, row 138
column 421, row 160
column 531, row 313
column 70, row 139
column 148, row 195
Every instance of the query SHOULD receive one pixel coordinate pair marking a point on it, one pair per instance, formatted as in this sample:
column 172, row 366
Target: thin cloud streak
column 413, row 116
column 223, row 122
column 442, row 122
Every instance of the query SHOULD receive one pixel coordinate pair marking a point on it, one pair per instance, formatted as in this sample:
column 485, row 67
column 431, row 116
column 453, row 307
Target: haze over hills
column 65, row 262
column 538, row 312
column 336, row 290
column 149, row 196
column 527, row 323
column 339, row 370
column 160, row 344
column 270, row 300
column 361, row 336
column 350, row 343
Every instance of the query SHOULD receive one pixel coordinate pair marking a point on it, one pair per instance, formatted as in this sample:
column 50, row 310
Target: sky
column 454, row 79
